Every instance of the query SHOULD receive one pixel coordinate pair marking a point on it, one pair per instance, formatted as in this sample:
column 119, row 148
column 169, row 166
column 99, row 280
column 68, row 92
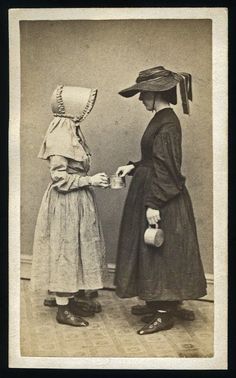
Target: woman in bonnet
column 69, row 251
column 165, row 276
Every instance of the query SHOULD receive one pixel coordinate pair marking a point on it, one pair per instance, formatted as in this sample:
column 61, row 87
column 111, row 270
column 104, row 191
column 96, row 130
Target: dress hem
column 162, row 298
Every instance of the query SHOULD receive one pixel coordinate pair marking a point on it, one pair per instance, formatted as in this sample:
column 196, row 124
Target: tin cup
column 154, row 236
column 117, row 182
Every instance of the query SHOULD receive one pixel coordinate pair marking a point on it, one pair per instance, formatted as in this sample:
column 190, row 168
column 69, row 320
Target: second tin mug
column 154, row 236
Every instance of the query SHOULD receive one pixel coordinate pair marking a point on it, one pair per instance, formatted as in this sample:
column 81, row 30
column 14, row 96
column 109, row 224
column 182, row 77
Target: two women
column 167, row 275
column 69, row 247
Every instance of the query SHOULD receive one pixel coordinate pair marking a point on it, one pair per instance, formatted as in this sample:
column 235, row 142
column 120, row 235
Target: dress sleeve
column 167, row 181
column 62, row 180
column 136, row 164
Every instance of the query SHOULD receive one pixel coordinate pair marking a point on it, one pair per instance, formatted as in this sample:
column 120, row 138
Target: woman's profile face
column 147, row 99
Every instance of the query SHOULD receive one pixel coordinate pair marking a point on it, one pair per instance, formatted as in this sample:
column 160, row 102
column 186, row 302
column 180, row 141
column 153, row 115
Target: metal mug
column 117, row 182
column 154, row 236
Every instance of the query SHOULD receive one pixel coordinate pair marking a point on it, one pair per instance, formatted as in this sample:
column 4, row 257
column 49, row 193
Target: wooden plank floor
column 111, row 333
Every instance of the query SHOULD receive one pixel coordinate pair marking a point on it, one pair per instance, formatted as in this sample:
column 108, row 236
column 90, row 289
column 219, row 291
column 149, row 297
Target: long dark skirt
column 173, row 271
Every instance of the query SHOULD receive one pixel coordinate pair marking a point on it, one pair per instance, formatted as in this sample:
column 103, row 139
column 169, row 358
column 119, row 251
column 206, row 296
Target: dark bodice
column 159, row 123
column 161, row 151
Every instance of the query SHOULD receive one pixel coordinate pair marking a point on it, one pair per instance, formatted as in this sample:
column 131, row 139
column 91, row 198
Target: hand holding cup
column 124, row 170
column 100, row 180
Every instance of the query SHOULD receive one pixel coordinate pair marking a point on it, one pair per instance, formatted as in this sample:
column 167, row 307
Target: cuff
column 85, row 181
column 132, row 171
column 133, row 163
column 152, row 205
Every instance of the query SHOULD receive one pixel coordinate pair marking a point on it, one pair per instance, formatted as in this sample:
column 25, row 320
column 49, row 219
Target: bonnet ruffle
column 61, row 137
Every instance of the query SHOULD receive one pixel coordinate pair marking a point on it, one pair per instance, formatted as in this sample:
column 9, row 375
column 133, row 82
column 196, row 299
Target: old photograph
column 118, row 221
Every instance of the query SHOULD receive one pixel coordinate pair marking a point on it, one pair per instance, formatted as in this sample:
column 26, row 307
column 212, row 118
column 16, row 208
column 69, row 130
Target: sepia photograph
column 118, row 188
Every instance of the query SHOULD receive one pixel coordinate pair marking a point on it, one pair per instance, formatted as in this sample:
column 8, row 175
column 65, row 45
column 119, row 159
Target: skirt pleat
column 173, row 271
column 69, row 249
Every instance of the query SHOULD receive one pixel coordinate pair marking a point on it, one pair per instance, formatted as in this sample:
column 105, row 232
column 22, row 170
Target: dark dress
column 173, row 271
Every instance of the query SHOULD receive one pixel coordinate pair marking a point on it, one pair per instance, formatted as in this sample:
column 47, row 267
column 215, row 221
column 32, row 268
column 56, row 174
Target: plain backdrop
column 108, row 55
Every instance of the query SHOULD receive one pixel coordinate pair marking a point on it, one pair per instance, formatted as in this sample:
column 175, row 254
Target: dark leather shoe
column 142, row 309
column 160, row 322
column 180, row 313
column 93, row 304
column 50, row 302
column 96, row 306
column 81, row 308
column 91, row 293
column 65, row 316
column 147, row 318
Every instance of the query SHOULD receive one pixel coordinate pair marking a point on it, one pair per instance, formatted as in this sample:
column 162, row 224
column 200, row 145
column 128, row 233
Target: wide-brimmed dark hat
column 159, row 79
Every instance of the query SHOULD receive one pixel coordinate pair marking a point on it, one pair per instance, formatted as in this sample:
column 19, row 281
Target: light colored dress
column 69, row 250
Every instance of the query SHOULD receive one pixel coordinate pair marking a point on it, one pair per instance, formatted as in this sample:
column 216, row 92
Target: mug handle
column 156, row 226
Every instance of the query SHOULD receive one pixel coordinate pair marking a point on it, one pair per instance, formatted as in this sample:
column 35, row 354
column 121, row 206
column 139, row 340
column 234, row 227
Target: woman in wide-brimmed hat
column 162, row 276
column 69, row 250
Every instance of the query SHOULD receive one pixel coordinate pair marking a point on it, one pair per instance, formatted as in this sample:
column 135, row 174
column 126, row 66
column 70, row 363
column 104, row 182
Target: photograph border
column 219, row 17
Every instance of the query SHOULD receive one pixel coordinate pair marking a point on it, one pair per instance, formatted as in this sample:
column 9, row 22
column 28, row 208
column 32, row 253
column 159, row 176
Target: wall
column 108, row 55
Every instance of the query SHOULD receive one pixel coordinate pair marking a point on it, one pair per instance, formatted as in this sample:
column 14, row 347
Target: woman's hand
column 124, row 170
column 153, row 216
column 100, row 179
